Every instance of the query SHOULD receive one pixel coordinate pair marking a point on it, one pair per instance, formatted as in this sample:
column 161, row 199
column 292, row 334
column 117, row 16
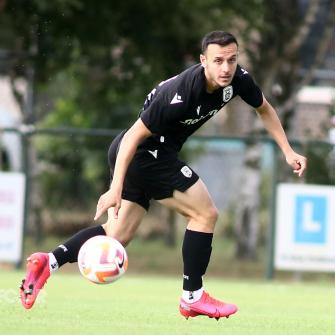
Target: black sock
column 68, row 251
column 197, row 248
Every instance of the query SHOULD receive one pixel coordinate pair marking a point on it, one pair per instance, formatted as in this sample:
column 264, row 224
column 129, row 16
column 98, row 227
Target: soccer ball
column 102, row 259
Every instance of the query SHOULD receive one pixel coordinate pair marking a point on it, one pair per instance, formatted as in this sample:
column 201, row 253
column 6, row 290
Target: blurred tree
column 114, row 51
column 281, row 47
column 276, row 53
column 93, row 63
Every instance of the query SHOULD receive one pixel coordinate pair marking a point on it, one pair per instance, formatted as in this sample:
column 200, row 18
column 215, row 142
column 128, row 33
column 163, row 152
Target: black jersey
column 177, row 107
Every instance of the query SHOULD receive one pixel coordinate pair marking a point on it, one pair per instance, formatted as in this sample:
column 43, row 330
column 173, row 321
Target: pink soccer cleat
column 36, row 276
column 207, row 305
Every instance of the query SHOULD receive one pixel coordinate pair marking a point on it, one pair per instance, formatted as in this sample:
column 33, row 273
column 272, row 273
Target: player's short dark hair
column 222, row 38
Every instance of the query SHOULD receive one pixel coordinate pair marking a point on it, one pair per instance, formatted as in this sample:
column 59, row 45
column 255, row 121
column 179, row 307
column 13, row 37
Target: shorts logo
column 227, row 93
column 154, row 153
column 186, row 171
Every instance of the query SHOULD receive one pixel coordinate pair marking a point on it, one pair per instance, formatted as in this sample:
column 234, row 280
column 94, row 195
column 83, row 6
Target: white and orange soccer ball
column 102, row 259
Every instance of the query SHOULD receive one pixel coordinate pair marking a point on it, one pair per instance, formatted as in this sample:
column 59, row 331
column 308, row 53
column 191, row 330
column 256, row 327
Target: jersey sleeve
column 250, row 92
column 163, row 111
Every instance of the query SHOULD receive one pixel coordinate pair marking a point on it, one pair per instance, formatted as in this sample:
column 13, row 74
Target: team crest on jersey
column 227, row 93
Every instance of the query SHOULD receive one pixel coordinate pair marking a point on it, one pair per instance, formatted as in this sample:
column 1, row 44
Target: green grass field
column 139, row 305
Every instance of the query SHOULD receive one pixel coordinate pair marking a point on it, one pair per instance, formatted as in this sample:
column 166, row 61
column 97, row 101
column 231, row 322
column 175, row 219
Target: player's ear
column 203, row 60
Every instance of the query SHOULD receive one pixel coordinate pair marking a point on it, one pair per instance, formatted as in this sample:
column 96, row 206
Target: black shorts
column 152, row 174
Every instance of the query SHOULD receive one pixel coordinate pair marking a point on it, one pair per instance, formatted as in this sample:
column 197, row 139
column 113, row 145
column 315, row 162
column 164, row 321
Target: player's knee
column 211, row 215
column 124, row 236
column 206, row 220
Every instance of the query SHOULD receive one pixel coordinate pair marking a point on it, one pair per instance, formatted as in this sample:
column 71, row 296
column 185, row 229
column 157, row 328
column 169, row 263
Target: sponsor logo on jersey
column 227, row 93
column 186, row 171
column 193, row 121
column 154, row 153
column 176, row 99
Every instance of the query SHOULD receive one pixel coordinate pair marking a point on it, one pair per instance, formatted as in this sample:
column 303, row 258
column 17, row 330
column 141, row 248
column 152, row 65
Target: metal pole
column 272, row 227
column 25, row 133
column 26, row 129
column 29, row 105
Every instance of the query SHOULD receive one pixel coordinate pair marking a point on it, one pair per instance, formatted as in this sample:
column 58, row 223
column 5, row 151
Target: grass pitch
column 139, row 305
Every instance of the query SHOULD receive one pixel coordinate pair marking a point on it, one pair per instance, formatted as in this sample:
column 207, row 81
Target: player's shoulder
column 193, row 72
column 184, row 79
column 241, row 72
column 246, row 87
column 183, row 84
column 243, row 78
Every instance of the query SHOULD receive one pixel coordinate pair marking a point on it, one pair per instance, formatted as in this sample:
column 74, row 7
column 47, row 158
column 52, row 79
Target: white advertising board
column 12, row 189
column 305, row 228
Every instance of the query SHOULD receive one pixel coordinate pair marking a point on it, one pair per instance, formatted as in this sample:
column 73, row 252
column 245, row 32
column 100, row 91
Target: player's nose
column 225, row 67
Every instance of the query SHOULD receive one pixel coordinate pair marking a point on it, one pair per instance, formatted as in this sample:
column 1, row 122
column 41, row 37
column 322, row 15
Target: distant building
column 313, row 114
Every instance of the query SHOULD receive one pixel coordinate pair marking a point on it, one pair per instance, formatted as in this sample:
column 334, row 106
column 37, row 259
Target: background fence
column 67, row 171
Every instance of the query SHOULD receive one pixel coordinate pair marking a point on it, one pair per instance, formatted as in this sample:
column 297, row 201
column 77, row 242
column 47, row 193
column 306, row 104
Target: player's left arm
column 273, row 125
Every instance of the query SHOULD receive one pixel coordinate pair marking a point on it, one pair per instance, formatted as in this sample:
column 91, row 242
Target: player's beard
column 222, row 82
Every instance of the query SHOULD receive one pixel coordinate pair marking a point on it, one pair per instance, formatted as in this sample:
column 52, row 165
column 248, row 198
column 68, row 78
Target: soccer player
column 144, row 165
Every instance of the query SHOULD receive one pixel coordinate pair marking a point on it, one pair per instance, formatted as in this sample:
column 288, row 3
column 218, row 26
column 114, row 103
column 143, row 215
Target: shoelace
column 212, row 301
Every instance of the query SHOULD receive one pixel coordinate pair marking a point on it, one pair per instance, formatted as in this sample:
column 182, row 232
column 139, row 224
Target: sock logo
column 190, row 295
column 54, row 266
column 63, row 247
column 186, row 277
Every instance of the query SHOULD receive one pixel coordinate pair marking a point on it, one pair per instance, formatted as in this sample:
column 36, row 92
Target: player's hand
column 111, row 198
column 297, row 162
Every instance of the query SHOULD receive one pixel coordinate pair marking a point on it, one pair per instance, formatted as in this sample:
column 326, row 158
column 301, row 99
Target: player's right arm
column 157, row 115
column 129, row 143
